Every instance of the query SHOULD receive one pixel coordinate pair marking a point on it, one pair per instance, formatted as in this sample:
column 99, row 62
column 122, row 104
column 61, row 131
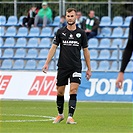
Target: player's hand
column 45, row 68
column 120, row 80
column 88, row 74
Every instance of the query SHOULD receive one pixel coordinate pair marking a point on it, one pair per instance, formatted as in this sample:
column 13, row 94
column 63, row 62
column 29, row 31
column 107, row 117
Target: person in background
column 44, row 15
column 126, row 56
column 63, row 21
column 29, row 20
column 80, row 21
column 92, row 24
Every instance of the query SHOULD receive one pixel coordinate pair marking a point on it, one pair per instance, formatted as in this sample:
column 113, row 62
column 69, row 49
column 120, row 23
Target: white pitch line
column 49, row 118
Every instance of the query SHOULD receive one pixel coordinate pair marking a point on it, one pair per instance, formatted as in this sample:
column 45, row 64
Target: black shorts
column 64, row 74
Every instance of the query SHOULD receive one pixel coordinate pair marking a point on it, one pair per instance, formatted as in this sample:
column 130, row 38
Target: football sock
column 72, row 104
column 60, row 104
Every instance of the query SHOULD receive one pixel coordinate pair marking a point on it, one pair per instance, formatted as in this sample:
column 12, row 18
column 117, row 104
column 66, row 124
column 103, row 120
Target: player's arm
column 49, row 57
column 87, row 60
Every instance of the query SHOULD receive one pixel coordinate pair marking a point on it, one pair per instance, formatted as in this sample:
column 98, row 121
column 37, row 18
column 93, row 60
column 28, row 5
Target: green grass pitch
column 91, row 117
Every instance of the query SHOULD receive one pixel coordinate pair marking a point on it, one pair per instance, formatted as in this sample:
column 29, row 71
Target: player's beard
column 71, row 23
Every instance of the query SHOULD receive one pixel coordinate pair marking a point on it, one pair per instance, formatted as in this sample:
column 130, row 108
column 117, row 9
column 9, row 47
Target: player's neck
column 71, row 27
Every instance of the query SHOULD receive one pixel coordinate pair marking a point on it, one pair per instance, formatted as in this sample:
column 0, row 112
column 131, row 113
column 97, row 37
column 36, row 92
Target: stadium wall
column 22, row 85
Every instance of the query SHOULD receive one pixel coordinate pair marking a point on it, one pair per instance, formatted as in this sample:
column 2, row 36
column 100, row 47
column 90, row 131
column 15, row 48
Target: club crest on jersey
column 78, row 35
column 71, row 36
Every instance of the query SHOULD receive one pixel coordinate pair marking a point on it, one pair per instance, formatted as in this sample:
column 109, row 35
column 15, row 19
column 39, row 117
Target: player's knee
column 60, row 93
column 73, row 91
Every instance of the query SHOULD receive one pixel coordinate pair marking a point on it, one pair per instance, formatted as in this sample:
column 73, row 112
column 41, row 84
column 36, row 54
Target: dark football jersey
column 70, row 43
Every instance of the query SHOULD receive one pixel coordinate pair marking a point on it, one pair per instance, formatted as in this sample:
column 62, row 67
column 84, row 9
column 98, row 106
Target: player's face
column 71, row 17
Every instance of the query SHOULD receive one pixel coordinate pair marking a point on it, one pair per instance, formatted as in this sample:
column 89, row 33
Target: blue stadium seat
column 20, row 20
column 1, row 41
column 105, row 43
column 117, row 33
column 54, row 31
column 58, row 51
column 116, row 43
column 117, row 21
column 2, row 20
column 18, row 64
column 9, row 42
column 93, row 43
column 129, row 66
column 103, row 66
column 12, row 21
column 93, row 54
column 114, row 66
column 22, row 32
column 8, row 53
column 2, row 31
column 84, row 67
column 127, row 22
column 40, row 64
column 20, row 53
column 21, row 42
column 10, row 32
column 125, row 43
column 94, row 65
column 43, row 53
column 52, row 65
column 46, row 32
column 0, row 52
column 34, row 32
column 32, row 53
column 45, row 43
column 56, row 21
column 104, row 54
column 105, row 21
column 126, row 33
column 105, row 32
column 6, row 64
column 115, row 55
column 33, row 42
column 30, row 65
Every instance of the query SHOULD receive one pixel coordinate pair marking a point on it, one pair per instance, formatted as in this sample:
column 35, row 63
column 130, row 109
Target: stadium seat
column 20, row 53
column 84, row 67
column 54, row 32
column 21, row 42
column 0, row 52
column 10, row 32
column 33, row 42
column 93, row 54
column 22, row 32
column 2, row 31
column 8, row 53
column 104, row 43
column 45, row 43
column 43, row 53
column 9, row 42
column 1, row 41
column 129, row 66
column 117, row 33
column 93, row 43
column 30, row 65
column 104, row 54
column 34, row 32
column 117, row 21
column 105, row 21
column 57, row 53
column 114, row 66
column 2, row 20
column 52, row 65
column 56, row 22
column 126, row 33
column 46, row 32
column 105, row 32
column 40, row 64
column 21, row 20
column 115, row 54
column 12, row 21
column 32, row 53
column 116, row 43
column 125, row 43
column 127, row 22
column 18, row 64
column 6, row 64
column 94, row 65
column 103, row 66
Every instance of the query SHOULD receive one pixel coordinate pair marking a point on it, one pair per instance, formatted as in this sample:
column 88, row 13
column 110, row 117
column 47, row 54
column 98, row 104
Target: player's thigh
column 74, row 88
column 60, row 90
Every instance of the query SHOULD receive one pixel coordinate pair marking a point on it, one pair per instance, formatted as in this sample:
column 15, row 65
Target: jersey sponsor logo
column 71, row 36
column 4, row 81
column 78, row 35
column 43, row 86
column 70, row 43
column 76, row 74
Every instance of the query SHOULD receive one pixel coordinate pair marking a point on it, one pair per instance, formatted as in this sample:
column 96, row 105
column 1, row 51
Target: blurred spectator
column 80, row 21
column 92, row 24
column 63, row 21
column 29, row 20
column 44, row 15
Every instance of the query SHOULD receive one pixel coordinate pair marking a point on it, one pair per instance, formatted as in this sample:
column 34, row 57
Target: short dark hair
column 71, row 9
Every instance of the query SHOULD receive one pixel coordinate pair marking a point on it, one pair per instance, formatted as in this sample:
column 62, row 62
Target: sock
column 72, row 104
column 60, row 104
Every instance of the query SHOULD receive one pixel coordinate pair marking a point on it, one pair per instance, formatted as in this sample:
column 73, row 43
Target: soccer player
column 71, row 39
column 126, row 56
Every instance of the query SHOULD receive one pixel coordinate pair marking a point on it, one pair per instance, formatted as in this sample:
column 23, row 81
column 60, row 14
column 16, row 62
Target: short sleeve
column 56, row 39
column 84, row 40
